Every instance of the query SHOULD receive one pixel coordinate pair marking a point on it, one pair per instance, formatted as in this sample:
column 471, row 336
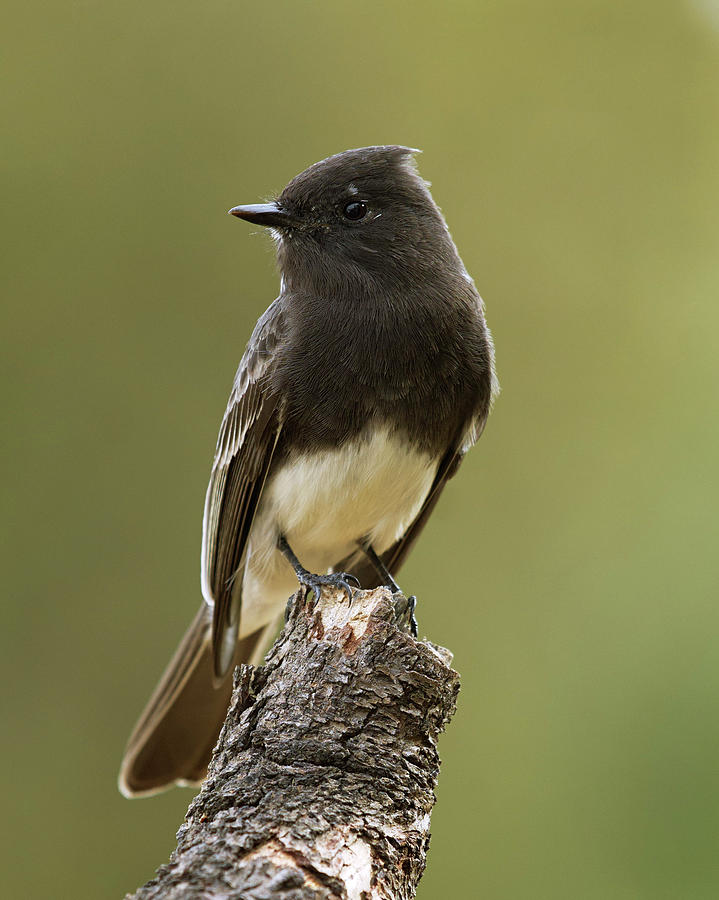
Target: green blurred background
column 572, row 567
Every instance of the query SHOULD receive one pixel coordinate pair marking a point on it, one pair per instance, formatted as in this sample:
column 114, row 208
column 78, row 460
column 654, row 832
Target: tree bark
column 321, row 784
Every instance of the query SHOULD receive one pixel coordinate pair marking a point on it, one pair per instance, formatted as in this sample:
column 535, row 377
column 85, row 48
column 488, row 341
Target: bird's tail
column 174, row 737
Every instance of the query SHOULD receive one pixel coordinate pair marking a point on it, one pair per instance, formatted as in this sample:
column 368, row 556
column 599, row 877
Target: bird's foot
column 315, row 583
column 404, row 609
column 412, row 605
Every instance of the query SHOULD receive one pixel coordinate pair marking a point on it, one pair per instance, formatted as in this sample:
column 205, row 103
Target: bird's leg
column 380, row 568
column 315, row 582
column 387, row 580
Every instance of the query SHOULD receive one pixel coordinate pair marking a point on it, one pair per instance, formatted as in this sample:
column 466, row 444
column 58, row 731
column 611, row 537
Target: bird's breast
column 325, row 500
column 423, row 368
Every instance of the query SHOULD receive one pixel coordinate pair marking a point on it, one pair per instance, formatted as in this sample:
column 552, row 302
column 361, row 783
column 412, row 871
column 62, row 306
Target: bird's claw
column 411, row 606
column 404, row 610
column 343, row 580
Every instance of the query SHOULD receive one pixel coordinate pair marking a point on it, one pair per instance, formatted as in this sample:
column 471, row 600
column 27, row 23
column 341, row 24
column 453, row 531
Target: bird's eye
column 355, row 210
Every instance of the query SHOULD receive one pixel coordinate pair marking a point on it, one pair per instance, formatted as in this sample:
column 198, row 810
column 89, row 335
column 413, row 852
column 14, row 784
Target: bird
column 361, row 389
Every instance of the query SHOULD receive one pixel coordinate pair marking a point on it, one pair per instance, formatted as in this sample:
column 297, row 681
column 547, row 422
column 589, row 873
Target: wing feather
column 245, row 447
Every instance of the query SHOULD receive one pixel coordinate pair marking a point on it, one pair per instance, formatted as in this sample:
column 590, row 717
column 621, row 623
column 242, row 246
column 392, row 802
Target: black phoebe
column 361, row 389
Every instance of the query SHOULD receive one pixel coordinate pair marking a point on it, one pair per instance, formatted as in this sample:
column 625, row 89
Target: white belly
column 324, row 503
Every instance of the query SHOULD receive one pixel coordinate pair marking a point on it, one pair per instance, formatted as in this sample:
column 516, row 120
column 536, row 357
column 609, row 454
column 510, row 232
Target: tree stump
column 322, row 781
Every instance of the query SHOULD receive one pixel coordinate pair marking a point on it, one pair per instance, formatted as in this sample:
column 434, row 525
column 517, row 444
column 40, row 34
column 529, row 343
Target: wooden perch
column 321, row 784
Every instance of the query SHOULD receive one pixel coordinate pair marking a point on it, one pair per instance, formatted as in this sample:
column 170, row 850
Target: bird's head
column 361, row 216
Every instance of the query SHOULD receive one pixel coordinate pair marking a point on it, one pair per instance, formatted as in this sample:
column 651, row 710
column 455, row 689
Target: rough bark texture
column 321, row 784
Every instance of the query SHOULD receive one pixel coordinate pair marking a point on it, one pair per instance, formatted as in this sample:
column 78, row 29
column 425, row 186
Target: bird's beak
column 271, row 214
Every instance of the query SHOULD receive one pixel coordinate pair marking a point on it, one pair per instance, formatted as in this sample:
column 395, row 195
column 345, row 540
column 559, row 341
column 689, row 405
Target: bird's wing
column 245, row 447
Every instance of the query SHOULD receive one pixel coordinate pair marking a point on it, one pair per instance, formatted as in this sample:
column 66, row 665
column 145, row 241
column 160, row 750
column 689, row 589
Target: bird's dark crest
column 353, row 167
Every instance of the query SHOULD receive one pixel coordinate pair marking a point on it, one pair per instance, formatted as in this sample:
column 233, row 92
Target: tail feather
column 175, row 735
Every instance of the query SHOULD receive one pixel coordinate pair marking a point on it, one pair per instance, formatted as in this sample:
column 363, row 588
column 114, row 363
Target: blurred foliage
column 572, row 565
